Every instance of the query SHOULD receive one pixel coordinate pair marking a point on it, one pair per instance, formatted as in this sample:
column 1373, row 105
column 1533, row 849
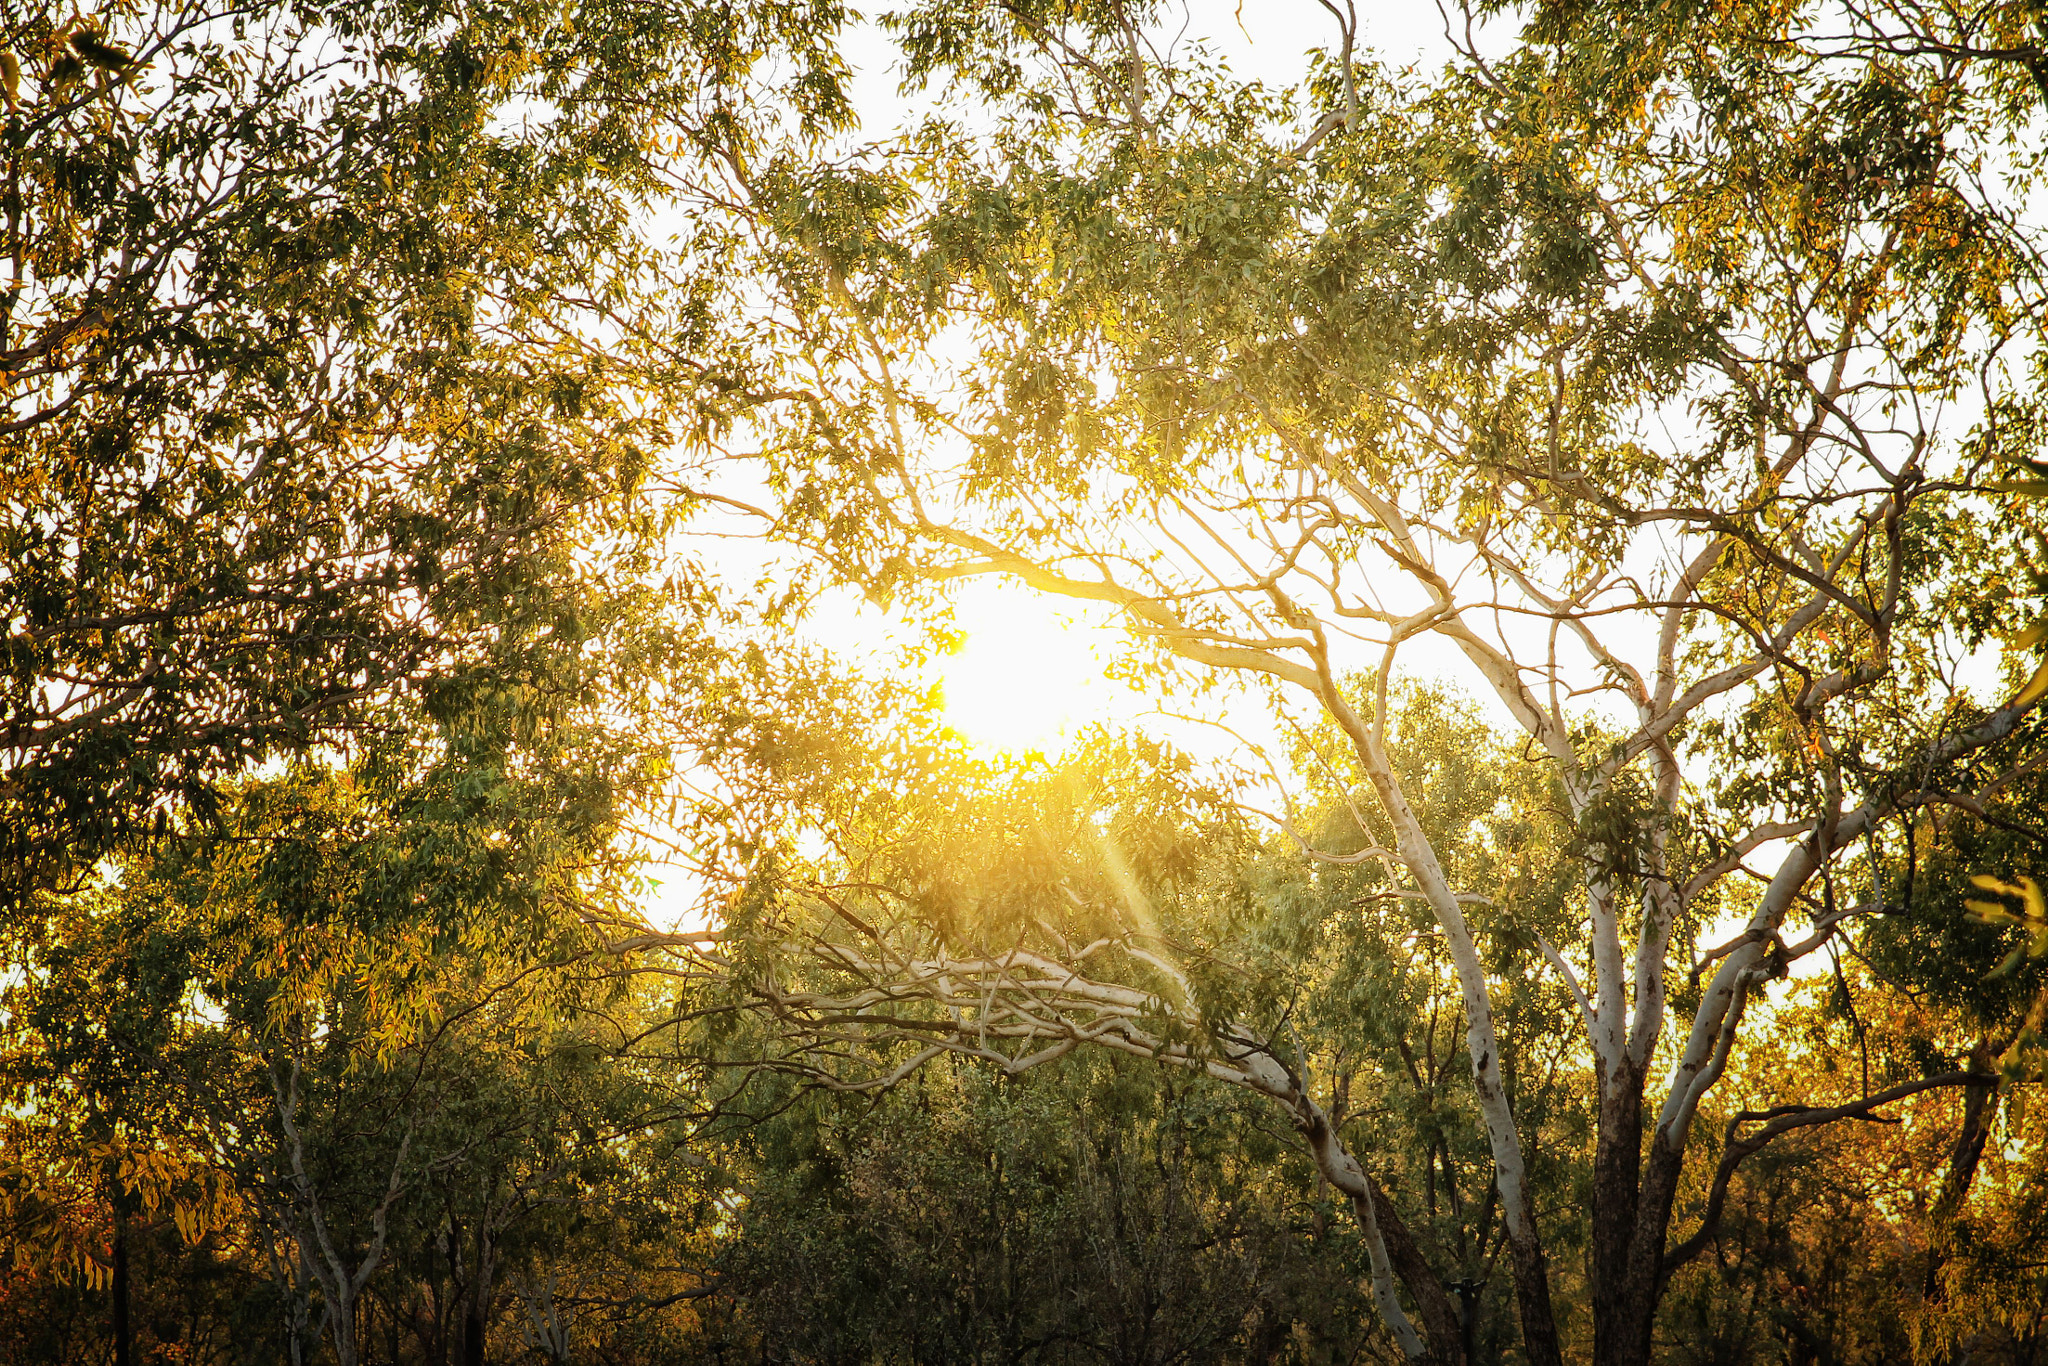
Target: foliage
column 1101, row 1213
column 1659, row 373
column 1652, row 375
column 310, row 413
column 354, row 1031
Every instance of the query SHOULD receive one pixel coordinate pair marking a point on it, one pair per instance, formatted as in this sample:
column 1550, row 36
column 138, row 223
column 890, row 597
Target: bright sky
column 1029, row 675
column 1030, row 671
column 1266, row 41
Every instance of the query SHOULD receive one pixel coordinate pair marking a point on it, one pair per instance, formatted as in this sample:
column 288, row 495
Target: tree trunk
column 1390, row 1245
column 1532, row 1293
column 1532, row 1276
column 1618, row 1309
column 476, row 1319
column 124, row 1344
column 474, row 1325
column 1638, row 1284
column 1978, row 1113
column 341, row 1327
column 296, row 1329
column 1447, row 1339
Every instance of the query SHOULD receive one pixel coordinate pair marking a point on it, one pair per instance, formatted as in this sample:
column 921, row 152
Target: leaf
column 1990, row 913
column 2033, row 917
column 2036, row 686
column 101, row 54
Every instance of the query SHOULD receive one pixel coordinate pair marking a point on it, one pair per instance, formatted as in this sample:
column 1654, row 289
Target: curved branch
column 1784, row 1120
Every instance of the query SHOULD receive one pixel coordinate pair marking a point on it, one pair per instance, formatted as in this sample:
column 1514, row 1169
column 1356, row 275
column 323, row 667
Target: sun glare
column 1028, row 675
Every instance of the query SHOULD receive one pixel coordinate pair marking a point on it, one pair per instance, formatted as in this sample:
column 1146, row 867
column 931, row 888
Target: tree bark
column 1639, row 1284
column 1389, row 1243
column 341, row 1328
column 476, row 1318
column 1440, row 1318
column 1617, row 1186
column 124, row 1343
column 475, row 1324
column 1532, row 1293
column 1532, row 1276
column 1978, row 1113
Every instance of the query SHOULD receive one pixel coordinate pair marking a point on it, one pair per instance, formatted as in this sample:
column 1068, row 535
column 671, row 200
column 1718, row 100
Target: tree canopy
column 1592, row 484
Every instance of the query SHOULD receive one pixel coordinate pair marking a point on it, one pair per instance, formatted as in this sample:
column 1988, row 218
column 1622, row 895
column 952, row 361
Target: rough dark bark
column 124, row 1341
column 1532, row 1299
column 1978, row 1113
column 1441, row 1322
column 476, row 1311
column 1645, row 1272
column 475, row 1327
column 1979, row 1110
column 1617, row 1181
column 1376, row 1214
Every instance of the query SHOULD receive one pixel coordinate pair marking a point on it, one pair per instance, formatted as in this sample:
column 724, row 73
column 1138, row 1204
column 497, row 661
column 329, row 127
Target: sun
column 1030, row 673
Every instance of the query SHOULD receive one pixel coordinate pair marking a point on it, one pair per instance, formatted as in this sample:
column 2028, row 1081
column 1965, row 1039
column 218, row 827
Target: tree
column 360, row 1042
column 1104, row 1212
column 94, row 1066
column 1660, row 380
column 314, row 454
column 1657, row 374
column 309, row 414
column 946, row 871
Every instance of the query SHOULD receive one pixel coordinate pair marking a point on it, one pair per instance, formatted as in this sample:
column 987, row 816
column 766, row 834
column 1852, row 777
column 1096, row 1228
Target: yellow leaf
column 1990, row 913
column 2036, row 685
column 2037, row 908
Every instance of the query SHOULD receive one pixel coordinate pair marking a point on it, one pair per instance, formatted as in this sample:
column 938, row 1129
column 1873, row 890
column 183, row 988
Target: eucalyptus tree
column 311, row 451
column 1102, row 1212
column 1653, row 378
column 307, row 413
column 1130, row 906
column 360, row 1041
